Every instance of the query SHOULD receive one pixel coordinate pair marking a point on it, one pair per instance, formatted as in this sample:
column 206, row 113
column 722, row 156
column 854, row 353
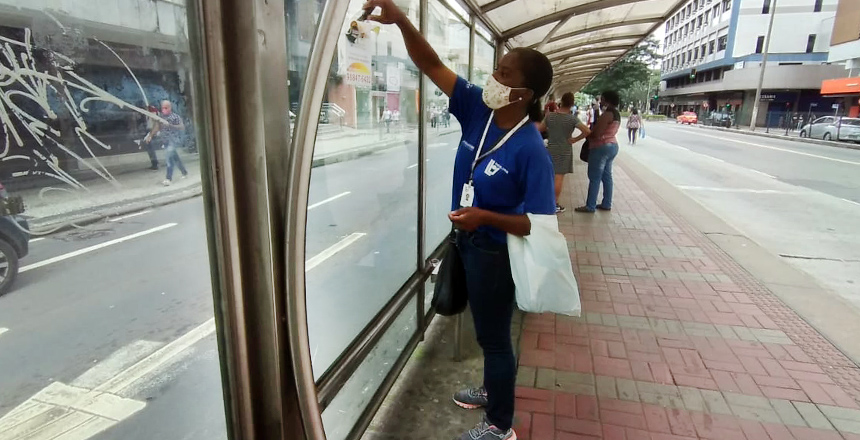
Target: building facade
column 845, row 49
column 713, row 56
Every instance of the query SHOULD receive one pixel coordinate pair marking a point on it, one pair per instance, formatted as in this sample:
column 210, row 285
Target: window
column 711, row 46
column 727, row 5
column 699, row 22
column 722, row 42
column 817, row 7
column 765, row 8
column 810, row 43
column 702, row 51
column 759, row 44
column 690, row 55
column 683, row 58
column 696, row 54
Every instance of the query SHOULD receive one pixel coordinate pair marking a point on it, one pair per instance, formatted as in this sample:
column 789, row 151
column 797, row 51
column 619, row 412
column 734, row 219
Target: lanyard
column 479, row 156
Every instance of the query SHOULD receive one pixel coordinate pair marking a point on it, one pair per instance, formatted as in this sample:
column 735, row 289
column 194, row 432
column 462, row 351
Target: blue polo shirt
column 515, row 179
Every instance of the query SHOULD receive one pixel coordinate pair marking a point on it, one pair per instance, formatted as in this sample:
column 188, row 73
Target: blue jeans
column 491, row 300
column 174, row 160
column 600, row 170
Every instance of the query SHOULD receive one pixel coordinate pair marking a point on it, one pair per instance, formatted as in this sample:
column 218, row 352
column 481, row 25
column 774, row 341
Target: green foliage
column 655, row 117
column 629, row 74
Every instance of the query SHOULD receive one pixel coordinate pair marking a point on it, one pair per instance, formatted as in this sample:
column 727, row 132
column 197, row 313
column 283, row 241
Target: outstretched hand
column 390, row 13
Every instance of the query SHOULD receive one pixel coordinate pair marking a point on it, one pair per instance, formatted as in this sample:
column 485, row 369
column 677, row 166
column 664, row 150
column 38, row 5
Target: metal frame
column 555, row 16
column 567, row 51
column 602, row 27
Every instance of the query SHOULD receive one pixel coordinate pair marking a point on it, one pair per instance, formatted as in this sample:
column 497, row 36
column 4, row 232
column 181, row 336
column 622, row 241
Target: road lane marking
column 762, row 173
column 437, row 144
column 157, row 359
column 3, row 330
column 330, row 199
column 116, row 362
column 412, row 166
column 319, row 258
column 849, row 201
column 95, row 247
column 849, row 162
column 133, row 214
column 737, row 190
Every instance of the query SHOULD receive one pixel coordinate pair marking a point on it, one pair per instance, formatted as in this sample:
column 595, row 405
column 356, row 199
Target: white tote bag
column 540, row 265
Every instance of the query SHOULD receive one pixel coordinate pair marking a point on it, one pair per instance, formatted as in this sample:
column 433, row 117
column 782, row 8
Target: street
column 798, row 200
column 121, row 311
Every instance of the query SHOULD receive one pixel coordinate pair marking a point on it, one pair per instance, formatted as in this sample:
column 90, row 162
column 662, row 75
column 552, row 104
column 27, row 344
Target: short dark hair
column 537, row 71
column 635, row 111
column 611, row 96
column 567, row 100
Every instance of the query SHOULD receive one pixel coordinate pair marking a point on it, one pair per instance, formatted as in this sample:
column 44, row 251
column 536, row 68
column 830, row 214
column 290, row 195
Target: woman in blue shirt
column 502, row 171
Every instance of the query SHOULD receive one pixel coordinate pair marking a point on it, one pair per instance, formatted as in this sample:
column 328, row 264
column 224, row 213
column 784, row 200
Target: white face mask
column 497, row 95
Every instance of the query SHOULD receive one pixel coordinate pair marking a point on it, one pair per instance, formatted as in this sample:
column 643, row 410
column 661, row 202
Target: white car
column 833, row 128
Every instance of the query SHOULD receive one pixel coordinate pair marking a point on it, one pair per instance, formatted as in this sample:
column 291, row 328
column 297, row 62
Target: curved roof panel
column 581, row 37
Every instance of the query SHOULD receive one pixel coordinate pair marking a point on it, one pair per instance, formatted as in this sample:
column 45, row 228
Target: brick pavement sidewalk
column 676, row 341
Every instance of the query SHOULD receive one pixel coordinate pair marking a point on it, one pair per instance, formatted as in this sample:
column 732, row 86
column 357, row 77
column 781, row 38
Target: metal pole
column 763, row 65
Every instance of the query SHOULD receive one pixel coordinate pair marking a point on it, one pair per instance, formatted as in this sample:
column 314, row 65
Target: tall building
column 845, row 48
column 713, row 56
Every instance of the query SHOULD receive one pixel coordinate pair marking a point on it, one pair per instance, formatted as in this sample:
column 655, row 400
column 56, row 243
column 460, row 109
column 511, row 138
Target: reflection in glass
column 362, row 225
column 107, row 332
column 450, row 37
column 344, row 411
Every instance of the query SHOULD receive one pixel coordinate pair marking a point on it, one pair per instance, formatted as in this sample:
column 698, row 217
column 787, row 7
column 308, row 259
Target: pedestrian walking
column 386, row 118
column 602, row 149
column 501, row 172
column 169, row 136
column 560, row 127
column 634, row 123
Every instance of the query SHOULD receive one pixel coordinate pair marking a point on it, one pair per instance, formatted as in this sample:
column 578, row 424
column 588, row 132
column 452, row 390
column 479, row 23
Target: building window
column 759, row 44
column 702, row 51
column 711, row 46
column 722, row 42
column 699, row 22
column 696, row 54
column 727, row 5
column 810, row 43
column 765, row 8
column 817, row 7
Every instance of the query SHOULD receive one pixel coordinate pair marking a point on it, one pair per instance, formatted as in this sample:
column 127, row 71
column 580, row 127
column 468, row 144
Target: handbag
column 449, row 294
column 583, row 152
column 541, row 269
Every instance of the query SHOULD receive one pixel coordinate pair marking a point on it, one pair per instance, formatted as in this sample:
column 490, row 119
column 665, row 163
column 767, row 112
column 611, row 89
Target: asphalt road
column 797, row 200
column 125, row 306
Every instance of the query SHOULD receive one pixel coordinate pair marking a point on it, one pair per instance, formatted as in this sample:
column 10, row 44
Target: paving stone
column 745, row 400
column 658, row 389
column 610, row 320
column 744, row 334
column 836, row 412
column 727, row 332
column 692, row 398
column 812, row 415
column 635, row 322
column 787, row 413
column 526, row 376
column 606, row 387
column 627, row 390
column 594, row 318
column 664, row 400
column 715, row 403
column 766, row 415
column 545, row 379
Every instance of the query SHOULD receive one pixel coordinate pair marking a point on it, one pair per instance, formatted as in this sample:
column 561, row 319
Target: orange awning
column 840, row 86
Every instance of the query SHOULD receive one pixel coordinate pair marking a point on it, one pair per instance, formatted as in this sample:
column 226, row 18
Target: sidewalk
column 677, row 341
column 141, row 188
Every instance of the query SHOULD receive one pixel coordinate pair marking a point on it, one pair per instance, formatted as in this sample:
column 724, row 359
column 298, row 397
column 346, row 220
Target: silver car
column 833, row 128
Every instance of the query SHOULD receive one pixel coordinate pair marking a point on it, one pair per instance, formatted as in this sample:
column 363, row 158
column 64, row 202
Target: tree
column 632, row 68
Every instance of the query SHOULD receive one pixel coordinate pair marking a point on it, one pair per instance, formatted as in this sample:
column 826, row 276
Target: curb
column 783, row 137
column 63, row 222
column 364, row 150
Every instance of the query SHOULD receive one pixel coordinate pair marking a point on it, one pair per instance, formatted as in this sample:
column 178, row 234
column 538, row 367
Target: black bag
column 583, row 153
column 449, row 295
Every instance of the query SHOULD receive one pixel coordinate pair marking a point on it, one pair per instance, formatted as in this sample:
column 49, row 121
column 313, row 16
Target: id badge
column 467, row 197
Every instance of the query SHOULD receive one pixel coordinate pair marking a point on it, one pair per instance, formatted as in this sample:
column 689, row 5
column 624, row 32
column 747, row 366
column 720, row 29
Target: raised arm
column 419, row 49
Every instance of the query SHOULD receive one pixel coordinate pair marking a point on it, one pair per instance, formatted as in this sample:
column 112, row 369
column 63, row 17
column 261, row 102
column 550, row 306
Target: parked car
column 14, row 238
column 718, row 119
column 687, row 118
column 833, row 128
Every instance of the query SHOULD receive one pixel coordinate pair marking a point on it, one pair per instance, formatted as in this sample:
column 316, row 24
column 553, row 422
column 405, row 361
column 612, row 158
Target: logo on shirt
column 494, row 167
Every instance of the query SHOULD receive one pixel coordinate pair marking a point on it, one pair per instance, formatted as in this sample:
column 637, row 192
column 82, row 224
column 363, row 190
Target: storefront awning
column 841, row 86
column 581, row 37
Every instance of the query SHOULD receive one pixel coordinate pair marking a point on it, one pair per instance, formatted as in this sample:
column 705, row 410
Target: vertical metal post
column 422, row 171
column 763, row 65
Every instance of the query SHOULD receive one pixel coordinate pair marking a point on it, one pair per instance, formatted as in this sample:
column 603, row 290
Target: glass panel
column 107, row 331
column 362, row 226
column 450, row 37
column 484, row 61
column 344, row 411
column 302, row 18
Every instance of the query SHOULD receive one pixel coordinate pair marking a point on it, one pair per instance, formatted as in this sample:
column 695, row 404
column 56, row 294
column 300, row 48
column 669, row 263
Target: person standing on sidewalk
column 169, row 135
column 502, row 171
column 602, row 149
column 150, row 149
column 560, row 126
column 634, row 123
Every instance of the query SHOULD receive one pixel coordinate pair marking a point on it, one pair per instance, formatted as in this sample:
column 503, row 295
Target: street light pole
column 763, row 65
